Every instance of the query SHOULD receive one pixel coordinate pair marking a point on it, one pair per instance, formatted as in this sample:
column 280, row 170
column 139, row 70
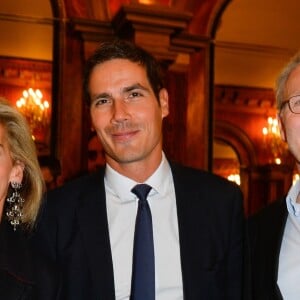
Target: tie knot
column 141, row 191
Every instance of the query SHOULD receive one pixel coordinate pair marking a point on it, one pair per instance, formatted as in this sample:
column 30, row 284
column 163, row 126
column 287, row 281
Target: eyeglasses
column 293, row 103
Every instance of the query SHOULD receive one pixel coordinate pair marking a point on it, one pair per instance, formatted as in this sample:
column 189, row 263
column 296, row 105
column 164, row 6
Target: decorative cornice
column 18, row 72
column 185, row 42
column 27, row 19
column 246, row 99
column 153, row 17
column 92, row 30
column 245, row 47
column 161, row 30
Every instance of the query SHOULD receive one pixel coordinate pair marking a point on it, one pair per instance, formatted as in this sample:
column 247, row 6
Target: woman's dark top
column 24, row 275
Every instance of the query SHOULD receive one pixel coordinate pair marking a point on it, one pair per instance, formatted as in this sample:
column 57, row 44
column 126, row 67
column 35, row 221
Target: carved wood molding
column 185, row 42
column 23, row 72
column 244, row 99
column 153, row 18
column 92, row 30
column 160, row 30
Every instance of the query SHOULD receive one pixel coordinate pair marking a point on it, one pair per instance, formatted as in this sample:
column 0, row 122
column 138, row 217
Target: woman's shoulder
column 12, row 287
column 16, row 277
column 24, row 273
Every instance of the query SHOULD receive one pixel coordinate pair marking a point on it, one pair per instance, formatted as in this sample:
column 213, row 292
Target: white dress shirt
column 121, row 211
column 289, row 258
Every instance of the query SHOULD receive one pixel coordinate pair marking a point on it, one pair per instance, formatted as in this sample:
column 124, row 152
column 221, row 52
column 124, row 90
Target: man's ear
column 17, row 172
column 281, row 127
column 164, row 102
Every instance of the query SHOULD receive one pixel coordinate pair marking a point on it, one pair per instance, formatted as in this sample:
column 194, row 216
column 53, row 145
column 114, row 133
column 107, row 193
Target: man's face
column 125, row 112
column 288, row 121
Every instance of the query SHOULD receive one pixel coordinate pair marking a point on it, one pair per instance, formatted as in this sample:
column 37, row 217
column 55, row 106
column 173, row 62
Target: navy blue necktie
column 143, row 270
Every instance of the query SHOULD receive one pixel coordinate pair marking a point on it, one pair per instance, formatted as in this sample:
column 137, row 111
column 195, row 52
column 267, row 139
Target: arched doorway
column 242, row 153
column 226, row 161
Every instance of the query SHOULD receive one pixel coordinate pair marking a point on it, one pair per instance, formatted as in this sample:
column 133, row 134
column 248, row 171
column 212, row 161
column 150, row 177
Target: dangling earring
column 15, row 205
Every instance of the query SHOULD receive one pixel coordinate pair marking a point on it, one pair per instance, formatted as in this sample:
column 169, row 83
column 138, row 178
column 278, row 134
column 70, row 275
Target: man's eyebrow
column 124, row 90
column 135, row 86
column 101, row 95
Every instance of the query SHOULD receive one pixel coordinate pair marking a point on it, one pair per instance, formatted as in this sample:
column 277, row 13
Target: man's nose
column 120, row 110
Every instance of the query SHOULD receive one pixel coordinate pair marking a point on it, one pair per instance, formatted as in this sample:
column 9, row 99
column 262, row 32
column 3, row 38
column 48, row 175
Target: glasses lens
column 295, row 104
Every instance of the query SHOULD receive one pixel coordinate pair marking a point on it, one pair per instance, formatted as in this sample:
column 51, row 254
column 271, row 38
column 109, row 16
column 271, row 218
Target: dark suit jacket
column 74, row 232
column 266, row 230
column 24, row 275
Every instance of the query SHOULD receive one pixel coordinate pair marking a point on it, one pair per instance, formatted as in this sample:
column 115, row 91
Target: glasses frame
column 289, row 105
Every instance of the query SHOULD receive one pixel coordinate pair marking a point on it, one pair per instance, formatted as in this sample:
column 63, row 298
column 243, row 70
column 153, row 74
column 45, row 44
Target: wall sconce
column 36, row 111
column 273, row 142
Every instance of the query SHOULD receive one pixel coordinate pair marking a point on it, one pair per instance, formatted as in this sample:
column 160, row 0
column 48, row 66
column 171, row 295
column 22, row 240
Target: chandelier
column 272, row 141
column 36, row 111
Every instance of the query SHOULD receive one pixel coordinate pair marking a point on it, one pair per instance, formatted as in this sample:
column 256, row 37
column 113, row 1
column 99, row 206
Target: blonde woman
column 23, row 274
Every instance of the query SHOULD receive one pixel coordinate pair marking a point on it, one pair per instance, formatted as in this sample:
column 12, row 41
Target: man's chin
column 126, row 158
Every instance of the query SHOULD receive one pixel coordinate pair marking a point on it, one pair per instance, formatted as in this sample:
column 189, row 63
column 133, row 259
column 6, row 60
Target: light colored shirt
column 121, row 211
column 289, row 258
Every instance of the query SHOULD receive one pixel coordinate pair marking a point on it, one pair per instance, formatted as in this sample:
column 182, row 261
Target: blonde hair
column 22, row 149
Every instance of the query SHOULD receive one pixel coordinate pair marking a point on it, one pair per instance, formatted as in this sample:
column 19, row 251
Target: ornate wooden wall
column 240, row 115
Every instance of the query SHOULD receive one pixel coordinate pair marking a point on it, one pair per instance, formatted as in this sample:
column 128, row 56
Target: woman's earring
column 15, row 205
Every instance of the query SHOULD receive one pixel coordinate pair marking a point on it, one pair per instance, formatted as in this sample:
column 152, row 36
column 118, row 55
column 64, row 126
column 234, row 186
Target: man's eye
column 102, row 101
column 134, row 96
column 296, row 101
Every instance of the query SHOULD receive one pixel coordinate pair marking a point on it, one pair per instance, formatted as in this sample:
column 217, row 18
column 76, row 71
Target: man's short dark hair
column 119, row 49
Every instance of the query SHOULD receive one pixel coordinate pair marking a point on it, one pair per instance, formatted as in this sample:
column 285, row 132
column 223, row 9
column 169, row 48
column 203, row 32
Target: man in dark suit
column 266, row 231
column 88, row 225
column 275, row 231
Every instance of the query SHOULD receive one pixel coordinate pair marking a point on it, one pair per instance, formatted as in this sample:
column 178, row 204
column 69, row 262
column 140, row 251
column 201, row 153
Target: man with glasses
column 275, row 231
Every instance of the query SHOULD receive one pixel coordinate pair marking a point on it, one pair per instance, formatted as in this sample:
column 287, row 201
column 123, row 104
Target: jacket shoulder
column 73, row 189
column 202, row 179
column 264, row 218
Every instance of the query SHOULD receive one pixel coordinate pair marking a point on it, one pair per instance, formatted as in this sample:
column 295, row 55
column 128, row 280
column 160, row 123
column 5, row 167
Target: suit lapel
column 183, row 190
column 92, row 216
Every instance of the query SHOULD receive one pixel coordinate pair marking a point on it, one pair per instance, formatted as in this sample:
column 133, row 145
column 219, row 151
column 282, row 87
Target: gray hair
column 283, row 77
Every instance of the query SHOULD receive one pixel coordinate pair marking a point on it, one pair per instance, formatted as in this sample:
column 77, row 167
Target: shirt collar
column 292, row 206
column 120, row 185
column 161, row 178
